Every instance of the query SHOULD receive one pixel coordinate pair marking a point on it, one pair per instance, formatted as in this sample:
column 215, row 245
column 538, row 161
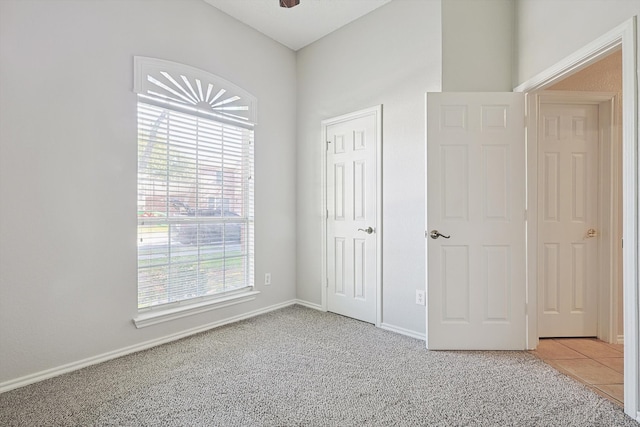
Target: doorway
column 580, row 290
column 578, row 215
column 352, row 221
column 622, row 38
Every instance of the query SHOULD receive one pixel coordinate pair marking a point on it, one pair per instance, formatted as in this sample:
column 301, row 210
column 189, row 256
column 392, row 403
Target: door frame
column 608, row 150
column 623, row 36
column 376, row 111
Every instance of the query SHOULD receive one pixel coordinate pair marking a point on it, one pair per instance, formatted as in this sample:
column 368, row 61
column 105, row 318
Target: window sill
column 154, row 317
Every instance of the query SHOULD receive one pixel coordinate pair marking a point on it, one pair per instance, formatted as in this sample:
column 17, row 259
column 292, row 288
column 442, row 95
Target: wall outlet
column 420, row 297
column 267, row 279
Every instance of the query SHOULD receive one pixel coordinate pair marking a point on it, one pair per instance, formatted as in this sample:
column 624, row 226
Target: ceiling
column 300, row 25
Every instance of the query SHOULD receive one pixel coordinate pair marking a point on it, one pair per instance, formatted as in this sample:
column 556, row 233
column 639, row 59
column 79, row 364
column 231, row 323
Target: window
column 195, row 185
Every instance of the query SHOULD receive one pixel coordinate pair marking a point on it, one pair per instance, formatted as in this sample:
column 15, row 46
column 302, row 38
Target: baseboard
column 74, row 366
column 620, row 339
column 403, row 331
column 384, row 326
column 310, row 305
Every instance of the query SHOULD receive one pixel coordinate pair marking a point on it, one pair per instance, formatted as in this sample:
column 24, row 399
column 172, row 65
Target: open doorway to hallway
column 580, row 227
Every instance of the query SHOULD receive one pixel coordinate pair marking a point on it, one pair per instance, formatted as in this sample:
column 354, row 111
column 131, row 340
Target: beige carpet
column 300, row 367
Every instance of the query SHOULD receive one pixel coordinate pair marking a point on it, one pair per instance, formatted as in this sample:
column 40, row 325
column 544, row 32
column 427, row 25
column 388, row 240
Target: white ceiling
column 300, row 25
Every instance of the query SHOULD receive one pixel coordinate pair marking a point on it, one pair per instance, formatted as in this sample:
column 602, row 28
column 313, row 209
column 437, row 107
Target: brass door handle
column 592, row 232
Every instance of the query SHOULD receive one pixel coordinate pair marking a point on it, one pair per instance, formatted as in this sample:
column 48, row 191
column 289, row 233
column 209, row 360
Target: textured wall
column 602, row 76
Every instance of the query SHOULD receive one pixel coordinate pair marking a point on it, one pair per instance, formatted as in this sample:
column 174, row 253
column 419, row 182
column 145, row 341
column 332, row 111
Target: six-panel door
column 476, row 195
column 567, row 220
column 351, row 210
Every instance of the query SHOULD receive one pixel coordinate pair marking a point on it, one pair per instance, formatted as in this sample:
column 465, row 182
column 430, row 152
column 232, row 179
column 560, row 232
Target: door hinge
column 326, row 285
column 326, row 216
column 328, row 142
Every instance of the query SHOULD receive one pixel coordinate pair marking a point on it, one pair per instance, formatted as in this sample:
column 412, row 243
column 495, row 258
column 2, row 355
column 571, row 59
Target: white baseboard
column 310, row 305
column 74, row 366
column 620, row 339
column 403, row 331
column 384, row 326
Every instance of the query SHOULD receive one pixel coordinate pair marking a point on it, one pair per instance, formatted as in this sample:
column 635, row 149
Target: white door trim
column 624, row 35
column 377, row 112
column 607, row 219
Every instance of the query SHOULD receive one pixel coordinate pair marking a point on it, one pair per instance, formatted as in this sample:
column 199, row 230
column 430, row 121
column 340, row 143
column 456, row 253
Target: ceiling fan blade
column 289, row 3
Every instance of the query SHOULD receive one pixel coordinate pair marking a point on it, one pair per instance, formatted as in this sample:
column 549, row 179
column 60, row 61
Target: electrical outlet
column 420, row 297
column 267, row 279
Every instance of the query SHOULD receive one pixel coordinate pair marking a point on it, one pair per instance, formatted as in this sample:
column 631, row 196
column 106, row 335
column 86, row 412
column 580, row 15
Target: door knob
column 367, row 230
column 435, row 234
column 592, row 232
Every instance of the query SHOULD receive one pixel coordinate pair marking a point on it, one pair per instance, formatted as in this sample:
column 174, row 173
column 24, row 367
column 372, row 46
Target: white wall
column 550, row 30
column 391, row 57
column 68, row 167
column 477, row 45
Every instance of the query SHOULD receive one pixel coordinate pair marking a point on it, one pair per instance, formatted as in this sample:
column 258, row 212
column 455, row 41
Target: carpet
column 301, row 367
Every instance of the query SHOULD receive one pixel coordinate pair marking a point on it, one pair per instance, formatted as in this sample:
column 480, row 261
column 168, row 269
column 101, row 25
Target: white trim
column 403, row 331
column 310, row 305
column 611, row 204
column 74, row 366
column 377, row 112
column 625, row 35
column 324, row 213
column 153, row 317
column 630, row 216
column 531, row 141
column 426, row 219
column 575, row 97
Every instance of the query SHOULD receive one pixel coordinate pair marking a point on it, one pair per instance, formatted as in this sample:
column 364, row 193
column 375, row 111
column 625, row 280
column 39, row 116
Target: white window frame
column 186, row 90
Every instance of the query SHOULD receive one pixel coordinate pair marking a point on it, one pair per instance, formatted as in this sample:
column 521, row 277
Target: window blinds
column 195, row 207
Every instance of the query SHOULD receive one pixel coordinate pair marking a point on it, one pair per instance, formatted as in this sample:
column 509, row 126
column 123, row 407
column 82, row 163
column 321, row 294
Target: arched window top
column 193, row 91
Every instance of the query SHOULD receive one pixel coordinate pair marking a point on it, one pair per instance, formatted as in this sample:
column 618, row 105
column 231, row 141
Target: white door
column 567, row 220
column 476, row 196
column 352, row 213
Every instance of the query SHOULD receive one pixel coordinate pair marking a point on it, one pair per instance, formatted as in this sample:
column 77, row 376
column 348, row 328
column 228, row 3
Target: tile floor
column 592, row 362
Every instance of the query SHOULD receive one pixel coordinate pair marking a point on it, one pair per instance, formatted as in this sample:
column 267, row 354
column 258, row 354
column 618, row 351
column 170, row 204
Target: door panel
column 476, row 195
column 568, row 203
column 352, row 206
